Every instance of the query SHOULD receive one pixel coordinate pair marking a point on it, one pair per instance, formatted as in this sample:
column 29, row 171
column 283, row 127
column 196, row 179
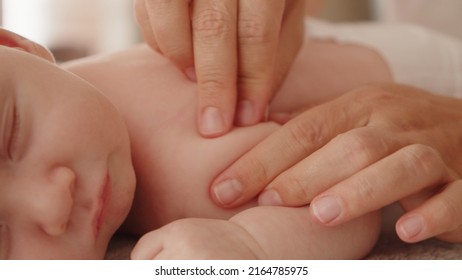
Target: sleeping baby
column 108, row 143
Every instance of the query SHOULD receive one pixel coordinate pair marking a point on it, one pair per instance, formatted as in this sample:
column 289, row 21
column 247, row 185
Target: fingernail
column 228, row 191
column 270, row 198
column 326, row 209
column 191, row 74
column 412, row 226
column 212, row 121
column 246, row 113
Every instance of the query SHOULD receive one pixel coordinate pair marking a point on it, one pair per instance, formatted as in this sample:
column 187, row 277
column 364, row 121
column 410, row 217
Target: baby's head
column 66, row 177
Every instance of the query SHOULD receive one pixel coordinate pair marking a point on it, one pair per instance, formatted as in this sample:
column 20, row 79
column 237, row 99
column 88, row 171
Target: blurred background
column 75, row 28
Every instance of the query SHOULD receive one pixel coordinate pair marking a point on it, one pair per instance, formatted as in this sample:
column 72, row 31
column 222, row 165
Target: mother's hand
column 358, row 153
column 238, row 50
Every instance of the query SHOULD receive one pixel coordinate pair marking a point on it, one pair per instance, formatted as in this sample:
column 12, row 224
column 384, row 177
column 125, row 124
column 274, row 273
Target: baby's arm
column 291, row 233
column 260, row 233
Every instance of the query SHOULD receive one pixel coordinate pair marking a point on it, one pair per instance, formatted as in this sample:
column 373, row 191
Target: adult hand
column 358, row 153
column 239, row 51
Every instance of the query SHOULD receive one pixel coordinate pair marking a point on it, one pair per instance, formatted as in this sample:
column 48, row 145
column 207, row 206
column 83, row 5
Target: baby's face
column 66, row 177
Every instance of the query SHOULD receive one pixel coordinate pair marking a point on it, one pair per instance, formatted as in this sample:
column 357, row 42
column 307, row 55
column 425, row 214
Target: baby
column 71, row 149
column 73, row 144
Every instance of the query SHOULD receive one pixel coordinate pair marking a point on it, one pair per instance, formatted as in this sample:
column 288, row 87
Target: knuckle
column 253, row 31
column 158, row 5
column 445, row 217
column 370, row 94
column 362, row 91
column 260, row 173
column 450, row 210
column 180, row 56
column 172, row 50
column 300, row 190
column 368, row 90
column 294, row 190
column 424, row 161
column 358, row 147
column 366, row 190
column 305, row 135
column 211, row 23
column 251, row 81
column 212, row 82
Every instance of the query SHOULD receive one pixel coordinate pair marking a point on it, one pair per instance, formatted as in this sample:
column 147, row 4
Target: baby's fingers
column 148, row 247
column 440, row 216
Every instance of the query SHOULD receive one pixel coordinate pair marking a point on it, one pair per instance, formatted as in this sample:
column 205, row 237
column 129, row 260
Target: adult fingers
column 345, row 155
column 171, row 27
column 142, row 18
column 290, row 41
column 215, row 55
column 290, row 144
column 405, row 172
column 440, row 216
column 259, row 26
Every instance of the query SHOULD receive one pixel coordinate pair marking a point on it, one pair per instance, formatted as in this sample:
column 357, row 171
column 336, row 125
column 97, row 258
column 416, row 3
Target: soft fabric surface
column 389, row 247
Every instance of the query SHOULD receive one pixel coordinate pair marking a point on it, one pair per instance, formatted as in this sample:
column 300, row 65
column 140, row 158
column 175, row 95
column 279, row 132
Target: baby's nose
column 54, row 208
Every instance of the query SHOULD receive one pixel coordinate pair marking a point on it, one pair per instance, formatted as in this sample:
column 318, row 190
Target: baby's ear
column 13, row 40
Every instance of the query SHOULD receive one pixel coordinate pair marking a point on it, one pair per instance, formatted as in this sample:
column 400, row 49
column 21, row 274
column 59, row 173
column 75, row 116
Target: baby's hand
column 194, row 238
